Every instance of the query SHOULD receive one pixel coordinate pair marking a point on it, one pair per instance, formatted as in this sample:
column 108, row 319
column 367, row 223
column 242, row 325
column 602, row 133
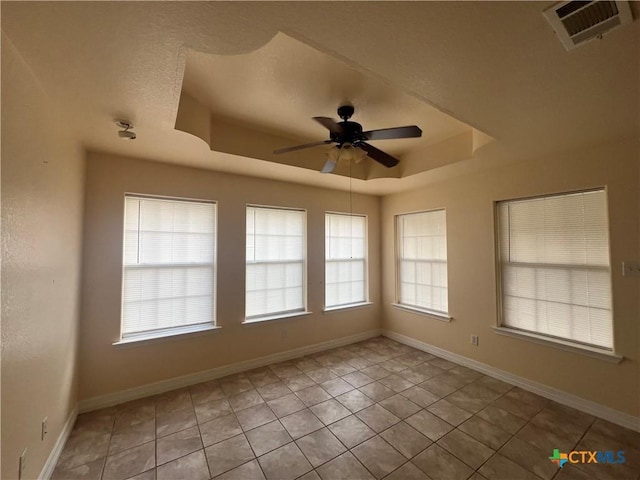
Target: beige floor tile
column 253, row 417
column 569, row 472
column 244, row 400
column 174, row 422
column 516, row 407
column 219, row 429
column 429, row 425
column 249, row 471
column 400, row 406
column 438, row 388
column 466, row 448
column 406, row 439
column 320, row 446
column 208, row 411
column 284, row 463
column 268, row 437
column 377, row 391
column 501, row 418
column 173, row 401
column 330, row 411
column 132, row 436
column 148, row 475
column 467, row 401
column 285, row 370
column 358, row 379
column 80, row 450
column 312, row 475
column 494, row 384
column 95, row 423
column 206, row 392
column 344, row 467
column 299, row 382
column 615, row 432
column 301, row 423
column 355, row 400
column 442, row 363
column 544, row 439
column 408, row 471
column 449, row 412
column 376, row 372
column 351, row 431
column 191, row 467
column 378, row 456
column 306, row 364
column 235, row 385
column 342, row 368
column 274, row 390
column 393, row 366
column 558, row 423
column 262, row 376
column 130, row 462
column 485, row 432
column 229, row 454
column 529, row 457
column 286, row 405
column 312, row 395
column 438, row 464
column 465, row 373
column 134, row 412
column 396, row 383
column 420, row 396
column 501, row 468
column 520, row 395
column 178, row 445
column 377, row 418
column 336, row 386
column 321, row 375
column 89, row 471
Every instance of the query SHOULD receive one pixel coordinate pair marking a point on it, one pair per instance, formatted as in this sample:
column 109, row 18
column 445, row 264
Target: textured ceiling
column 497, row 67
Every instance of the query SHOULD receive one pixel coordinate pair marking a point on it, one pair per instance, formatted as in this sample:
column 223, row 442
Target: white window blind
column 169, row 265
column 422, row 262
column 275, row 280
column 345, row 259
column 555, row 273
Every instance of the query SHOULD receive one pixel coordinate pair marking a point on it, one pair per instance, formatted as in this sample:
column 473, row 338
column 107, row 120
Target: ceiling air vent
column 577, row 22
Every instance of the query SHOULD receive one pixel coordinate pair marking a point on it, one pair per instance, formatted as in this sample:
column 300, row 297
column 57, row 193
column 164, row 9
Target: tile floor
column 375, row 409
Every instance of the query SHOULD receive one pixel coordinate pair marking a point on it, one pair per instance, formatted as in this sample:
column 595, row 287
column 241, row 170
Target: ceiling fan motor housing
column 351, row 133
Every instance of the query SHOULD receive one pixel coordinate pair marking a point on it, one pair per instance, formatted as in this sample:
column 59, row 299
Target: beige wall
column 106, row 369
column 472, row 286
column 42, row 189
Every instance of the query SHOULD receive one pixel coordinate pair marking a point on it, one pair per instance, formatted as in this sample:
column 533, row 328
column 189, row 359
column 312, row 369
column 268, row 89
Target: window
column 275, row 281
column 169, row 266
column 554, row 267
column 422, row 261
column 345, row 259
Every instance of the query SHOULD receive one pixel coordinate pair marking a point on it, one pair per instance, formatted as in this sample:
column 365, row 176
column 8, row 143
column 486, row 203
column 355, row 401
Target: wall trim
column 54, row 456
column 614, row 416
column 163, row 386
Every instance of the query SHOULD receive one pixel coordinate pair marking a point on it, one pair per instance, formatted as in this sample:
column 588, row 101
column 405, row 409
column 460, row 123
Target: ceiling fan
column 351, row 141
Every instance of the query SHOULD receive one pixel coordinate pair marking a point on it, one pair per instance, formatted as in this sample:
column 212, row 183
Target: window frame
column 436, row 314
column 304, row 310
column 365, row 260
column 163, row 334
column 561, row 343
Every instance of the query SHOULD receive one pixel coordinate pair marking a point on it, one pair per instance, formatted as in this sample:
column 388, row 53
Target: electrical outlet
column 474, row 340
column 45, row 428
column 23, row 465
column 630, row 269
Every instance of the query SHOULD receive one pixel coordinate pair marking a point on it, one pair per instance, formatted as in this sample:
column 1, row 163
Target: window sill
column 166, row 336
column 349, row 306
column 562, row 345
column 443, row 317
column 281, row 316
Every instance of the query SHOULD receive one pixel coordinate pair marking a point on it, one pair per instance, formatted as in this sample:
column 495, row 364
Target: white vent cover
column 577, row 22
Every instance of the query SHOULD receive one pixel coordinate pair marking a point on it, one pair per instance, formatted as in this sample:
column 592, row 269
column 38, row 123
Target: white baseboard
column 587, row 406
column 111, row 399
column 51, row 462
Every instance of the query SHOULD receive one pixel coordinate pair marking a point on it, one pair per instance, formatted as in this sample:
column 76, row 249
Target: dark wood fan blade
column 300, row 147
column 378, row 155
column 329, row 124
column 409, row 131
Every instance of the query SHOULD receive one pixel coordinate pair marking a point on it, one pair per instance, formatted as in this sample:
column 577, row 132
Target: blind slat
column 345, row 259
column 275, row 261
column 555, row 273
column 169, row 254
column 422, row 264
